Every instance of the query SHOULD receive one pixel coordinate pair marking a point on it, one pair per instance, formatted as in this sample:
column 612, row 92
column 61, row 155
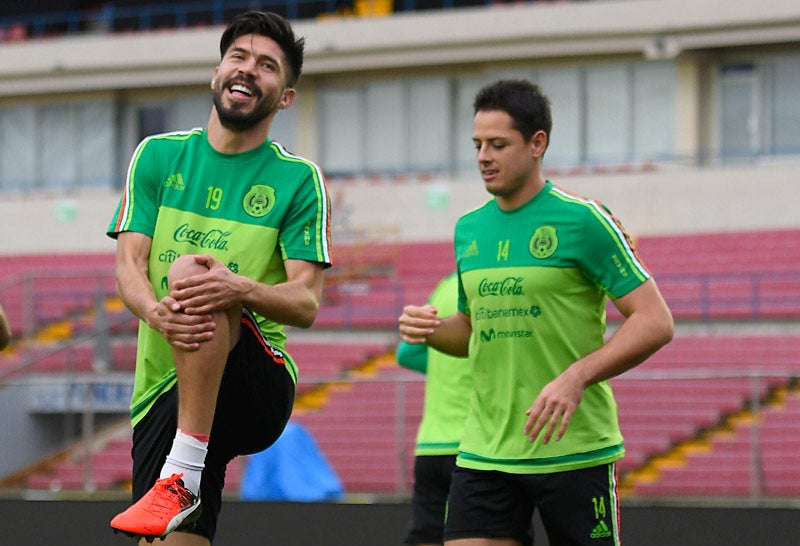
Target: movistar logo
column 510, row 286
column 491, row 334
column 214, row 239
column 601, row 530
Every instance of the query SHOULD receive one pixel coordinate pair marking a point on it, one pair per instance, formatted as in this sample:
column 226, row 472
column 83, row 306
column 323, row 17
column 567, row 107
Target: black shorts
column 576, row 507
column 432, row 474
column 254, row 404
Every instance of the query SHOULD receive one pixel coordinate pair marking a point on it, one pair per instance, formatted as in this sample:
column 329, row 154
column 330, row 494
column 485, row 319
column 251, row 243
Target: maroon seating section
column 111, row 466
column 710, row 253
column 758, row 458
column 367, row 430
column 325, row 361
column 656, row 414
column 50, row 358
column 62, row 285
column 703, row 276
column 108, row 468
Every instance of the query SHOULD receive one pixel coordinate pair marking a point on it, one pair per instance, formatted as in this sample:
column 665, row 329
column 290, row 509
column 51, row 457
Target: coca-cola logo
column 214, row 239
column 510, row 286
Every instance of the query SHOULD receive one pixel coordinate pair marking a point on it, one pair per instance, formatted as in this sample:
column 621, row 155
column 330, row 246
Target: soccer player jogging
column 222, row 239
column 447, row 389
column 536, row 265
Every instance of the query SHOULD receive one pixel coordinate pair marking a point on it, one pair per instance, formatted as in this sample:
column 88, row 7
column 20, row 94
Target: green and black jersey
column 251, row 211
column 535, row 282
column 447, row 383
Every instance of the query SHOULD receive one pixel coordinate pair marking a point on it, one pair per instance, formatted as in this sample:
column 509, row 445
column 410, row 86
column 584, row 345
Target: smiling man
column 222, row 239
column 536, row 265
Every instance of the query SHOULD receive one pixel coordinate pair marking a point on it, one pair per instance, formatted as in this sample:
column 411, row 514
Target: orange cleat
column 167, row 506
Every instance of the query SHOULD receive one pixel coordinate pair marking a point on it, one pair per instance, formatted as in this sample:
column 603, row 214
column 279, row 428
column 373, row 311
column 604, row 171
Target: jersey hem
column 547, row 465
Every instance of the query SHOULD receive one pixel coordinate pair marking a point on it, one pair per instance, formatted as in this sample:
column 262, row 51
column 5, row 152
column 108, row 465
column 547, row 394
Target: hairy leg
column 200, row 372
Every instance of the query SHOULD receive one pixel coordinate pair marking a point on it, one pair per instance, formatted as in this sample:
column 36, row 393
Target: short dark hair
column 524, row 101
column 272, row 26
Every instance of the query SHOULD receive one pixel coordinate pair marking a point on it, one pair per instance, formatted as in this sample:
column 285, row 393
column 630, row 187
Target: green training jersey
column 535, row 283
column 251, row 211
column 447, row 386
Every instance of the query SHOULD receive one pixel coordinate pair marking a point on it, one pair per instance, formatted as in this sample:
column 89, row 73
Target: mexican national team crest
column 544, row 242
column 259, row 200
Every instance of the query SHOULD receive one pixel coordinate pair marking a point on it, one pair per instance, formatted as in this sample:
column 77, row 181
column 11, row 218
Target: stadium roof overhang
column 652, row 29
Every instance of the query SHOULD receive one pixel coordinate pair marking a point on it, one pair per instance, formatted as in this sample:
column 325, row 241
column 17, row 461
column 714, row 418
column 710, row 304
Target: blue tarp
column 292, row 469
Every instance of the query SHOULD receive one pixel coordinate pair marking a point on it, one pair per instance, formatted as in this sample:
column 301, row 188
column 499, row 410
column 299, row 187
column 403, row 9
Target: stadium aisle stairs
column 367, row 429
column 658, row 413
column 722, row 460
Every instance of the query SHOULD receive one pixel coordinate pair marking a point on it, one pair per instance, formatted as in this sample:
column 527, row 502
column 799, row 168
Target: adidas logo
column 175, row 181
column 601, row 530
column 472, row 250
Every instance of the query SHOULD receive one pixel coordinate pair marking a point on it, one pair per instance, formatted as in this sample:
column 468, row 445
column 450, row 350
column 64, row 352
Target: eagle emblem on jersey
column 259, row 200
column 544, row 242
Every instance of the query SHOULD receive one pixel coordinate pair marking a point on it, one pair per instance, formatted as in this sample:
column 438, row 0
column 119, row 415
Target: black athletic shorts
column 254, row 404
column 432, row 474
column 578, row 507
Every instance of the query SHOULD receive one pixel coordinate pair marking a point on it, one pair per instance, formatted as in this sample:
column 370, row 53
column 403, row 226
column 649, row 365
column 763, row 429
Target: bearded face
column 243, row 115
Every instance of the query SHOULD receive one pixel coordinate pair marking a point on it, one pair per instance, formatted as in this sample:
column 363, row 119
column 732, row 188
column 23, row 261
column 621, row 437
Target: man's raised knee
column 185, row 266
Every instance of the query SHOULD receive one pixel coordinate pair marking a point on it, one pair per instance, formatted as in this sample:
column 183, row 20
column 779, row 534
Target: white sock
column 187, row 457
